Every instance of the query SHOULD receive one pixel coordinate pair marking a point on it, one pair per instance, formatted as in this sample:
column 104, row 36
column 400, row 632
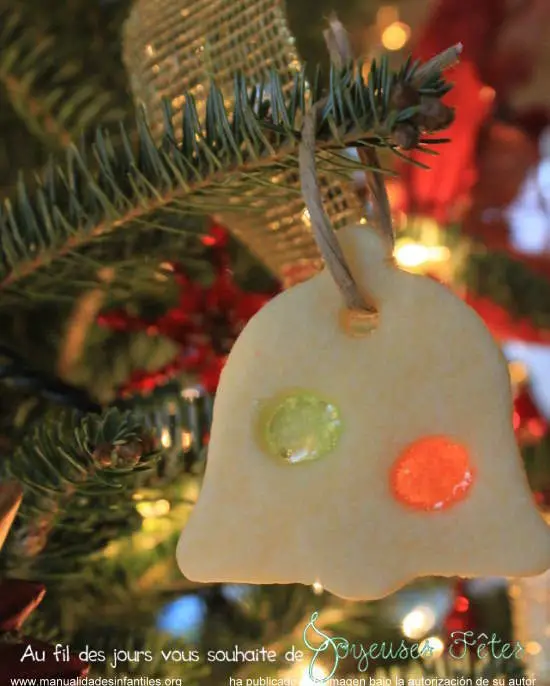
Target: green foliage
column 18, row 376
column 78, row 474
column 110, row 358
column 506, row 280
column 537, row 464
column 48, row 88
column 182, row 419
column 511, row 284
column 121, row 199
column 74, row 218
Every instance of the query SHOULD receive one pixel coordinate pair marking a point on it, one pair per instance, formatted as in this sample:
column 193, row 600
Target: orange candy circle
column 432, row 473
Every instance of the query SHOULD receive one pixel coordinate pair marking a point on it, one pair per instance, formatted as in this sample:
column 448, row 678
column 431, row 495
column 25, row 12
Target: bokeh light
column 396, row 35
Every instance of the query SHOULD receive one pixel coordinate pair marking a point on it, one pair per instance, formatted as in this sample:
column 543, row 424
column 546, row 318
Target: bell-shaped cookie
column 364, row 460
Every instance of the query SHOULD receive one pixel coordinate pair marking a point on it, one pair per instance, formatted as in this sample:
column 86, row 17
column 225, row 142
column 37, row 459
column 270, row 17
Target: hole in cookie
column 358, row 323
column 432, row 473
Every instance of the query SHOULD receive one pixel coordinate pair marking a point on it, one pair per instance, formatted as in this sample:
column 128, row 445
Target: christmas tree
column 153, row 204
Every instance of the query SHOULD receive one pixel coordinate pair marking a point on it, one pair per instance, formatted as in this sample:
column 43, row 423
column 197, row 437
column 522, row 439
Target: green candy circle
column 299, row 426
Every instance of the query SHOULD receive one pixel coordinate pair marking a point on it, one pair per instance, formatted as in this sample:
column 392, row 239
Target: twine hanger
column 337, row 42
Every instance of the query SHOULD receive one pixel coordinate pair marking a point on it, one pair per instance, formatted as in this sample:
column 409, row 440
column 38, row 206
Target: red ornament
column 443, row 191
column 504, row 326
column 533, row 120
column 542, row 498
column 510, row 60
column 475, row 24
column 500, row 38
column 205, row 322
column 505, row 156
column 18, row 599
column 460, row 617
column 210, row 374
column 216, row 237
column 462, row 604
column 47, row 667
column 529, row 424
column 500, row 44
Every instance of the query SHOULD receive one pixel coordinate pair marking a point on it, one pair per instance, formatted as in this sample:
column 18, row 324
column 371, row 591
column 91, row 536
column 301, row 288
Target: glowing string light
column 396, row 35
column 418, row 622
column 411, row 255
column 431, row 648
column 157, row 508
column 318, row 673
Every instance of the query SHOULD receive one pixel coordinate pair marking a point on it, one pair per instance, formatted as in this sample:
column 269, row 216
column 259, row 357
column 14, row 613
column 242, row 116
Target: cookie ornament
column 362, row 436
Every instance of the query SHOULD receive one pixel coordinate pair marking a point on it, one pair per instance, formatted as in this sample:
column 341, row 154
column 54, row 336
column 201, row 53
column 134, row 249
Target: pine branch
column 220, row 164
column 60, row 111
column 520, row 284
column 511, row 284
column 182, row 419
column 78, row 474
column 16, row 372
column 537, row 465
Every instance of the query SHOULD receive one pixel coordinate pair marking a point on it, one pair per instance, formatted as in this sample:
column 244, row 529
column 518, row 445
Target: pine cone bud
column 434, row 115
column 32, row 539
column 129, row 454
column 103, row 455
column 149, row 443
column 403, row 95
column 405, row 136
column 35, row 543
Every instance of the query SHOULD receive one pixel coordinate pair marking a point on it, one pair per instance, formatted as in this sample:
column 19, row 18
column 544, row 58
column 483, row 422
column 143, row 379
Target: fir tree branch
column 220, row 163
column 80, row 321
column 518, row 283
column 15, row 371
column 181, row 417
column 57, row 103
column 78, row 474
column 511, row 284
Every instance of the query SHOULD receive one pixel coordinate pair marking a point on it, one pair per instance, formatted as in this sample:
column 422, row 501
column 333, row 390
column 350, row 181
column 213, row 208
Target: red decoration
column 18, row 599
column 443, row 190
column 499, row 321
column 47, row 667
column 500, row 44
column 529, row 424
column 474, row 24
column 501, row 39
column 205, row 322
column 460, row 618
column 542, row 498
column 505, row 156
column 432, row 474
column 533, row 120
column 502, row 325
column 493, row 233
column 509, row 61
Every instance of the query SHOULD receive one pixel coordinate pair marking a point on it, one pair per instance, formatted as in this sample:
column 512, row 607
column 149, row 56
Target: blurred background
column 96, row 323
